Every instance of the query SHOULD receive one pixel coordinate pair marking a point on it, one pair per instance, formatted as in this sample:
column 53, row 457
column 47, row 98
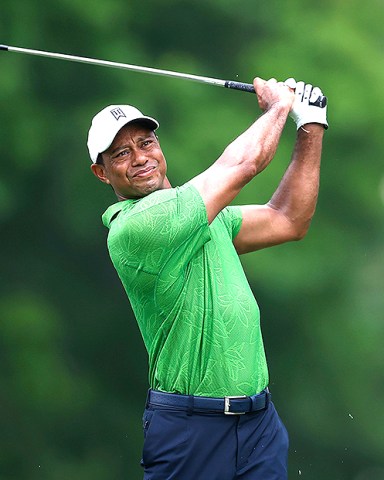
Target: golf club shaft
column 246, row 87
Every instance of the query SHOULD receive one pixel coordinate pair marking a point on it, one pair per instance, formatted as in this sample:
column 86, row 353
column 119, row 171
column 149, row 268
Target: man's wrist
column 314, row 128
column 280, row 108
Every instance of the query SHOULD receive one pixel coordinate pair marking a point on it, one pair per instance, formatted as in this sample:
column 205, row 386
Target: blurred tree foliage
column 73, row 368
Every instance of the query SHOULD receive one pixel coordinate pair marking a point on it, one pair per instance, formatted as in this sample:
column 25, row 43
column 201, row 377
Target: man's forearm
column 296, row 195
column 255, row 148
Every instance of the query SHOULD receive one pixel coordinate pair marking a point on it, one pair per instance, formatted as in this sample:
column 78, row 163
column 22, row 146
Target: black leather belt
column 236, row 405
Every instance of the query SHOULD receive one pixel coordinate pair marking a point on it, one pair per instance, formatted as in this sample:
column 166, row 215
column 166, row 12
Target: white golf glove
column 310, row 106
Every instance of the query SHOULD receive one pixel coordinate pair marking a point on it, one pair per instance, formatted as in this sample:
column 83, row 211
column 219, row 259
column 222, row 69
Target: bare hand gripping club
column 245, row 87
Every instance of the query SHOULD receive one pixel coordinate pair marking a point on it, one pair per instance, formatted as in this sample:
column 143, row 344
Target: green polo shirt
column 196, row 312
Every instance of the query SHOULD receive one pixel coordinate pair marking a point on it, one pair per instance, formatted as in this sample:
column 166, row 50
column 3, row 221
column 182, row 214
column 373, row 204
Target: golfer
column 208, row 414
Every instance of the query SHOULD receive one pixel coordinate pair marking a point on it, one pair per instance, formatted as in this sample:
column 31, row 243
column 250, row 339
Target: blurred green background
column 73, row 368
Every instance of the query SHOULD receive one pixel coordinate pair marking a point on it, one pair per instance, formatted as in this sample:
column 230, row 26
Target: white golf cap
column 108, row 122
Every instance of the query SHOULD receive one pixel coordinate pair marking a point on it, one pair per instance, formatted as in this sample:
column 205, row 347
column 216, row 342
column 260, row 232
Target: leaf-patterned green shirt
column 196, row 312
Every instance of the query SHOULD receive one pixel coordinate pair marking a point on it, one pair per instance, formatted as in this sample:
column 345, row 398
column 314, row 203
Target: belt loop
column 190, row 405
column 147, row 399
column 268, row 397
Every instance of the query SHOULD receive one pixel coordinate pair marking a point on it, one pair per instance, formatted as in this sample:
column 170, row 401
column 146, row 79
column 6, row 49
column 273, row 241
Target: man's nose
column 140, row 158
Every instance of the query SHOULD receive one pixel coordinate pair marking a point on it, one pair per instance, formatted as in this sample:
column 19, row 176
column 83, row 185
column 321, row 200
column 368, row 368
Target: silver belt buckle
column 227, row 404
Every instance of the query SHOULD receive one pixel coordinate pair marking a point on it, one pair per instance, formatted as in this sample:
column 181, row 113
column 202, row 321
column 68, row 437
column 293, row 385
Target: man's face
column 134, row 164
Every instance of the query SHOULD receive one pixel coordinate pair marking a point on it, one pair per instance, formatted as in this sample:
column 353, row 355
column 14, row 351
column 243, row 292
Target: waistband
column 231, row 405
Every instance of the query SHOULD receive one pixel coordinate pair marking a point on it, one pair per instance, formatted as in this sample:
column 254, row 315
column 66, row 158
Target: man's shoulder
column 161, row 200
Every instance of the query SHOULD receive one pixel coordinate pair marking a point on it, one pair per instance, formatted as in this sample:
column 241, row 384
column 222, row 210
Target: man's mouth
column 144, row 172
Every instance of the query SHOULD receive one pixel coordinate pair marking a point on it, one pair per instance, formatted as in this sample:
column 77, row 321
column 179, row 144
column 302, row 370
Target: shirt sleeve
column 168, row 225
column 232, row 218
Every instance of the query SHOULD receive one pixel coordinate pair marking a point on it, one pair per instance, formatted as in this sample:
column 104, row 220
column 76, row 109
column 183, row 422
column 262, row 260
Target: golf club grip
column 247, row 87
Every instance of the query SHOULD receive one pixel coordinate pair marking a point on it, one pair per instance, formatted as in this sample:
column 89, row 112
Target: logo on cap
column 118, row 113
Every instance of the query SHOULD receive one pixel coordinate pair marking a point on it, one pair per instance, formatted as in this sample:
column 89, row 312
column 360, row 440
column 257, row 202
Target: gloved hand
column 310, row 106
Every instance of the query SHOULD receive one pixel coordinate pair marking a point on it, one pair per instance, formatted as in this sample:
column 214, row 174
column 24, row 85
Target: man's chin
column 147, row 190
column 142, row 190
column 150, row 187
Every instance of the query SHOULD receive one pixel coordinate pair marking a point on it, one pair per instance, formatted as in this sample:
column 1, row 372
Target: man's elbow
column 243, row 164
column 300, row 231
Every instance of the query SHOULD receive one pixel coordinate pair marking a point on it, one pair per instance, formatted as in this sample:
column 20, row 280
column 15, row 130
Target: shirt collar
column 111, row 213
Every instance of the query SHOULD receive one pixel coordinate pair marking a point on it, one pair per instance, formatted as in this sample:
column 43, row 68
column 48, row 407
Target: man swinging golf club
column 208, row 414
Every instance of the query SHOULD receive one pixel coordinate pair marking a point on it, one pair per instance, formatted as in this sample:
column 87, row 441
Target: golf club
column 245, row 87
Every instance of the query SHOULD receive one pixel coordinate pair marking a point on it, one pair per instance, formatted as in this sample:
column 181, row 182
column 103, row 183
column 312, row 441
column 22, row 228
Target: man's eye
column 122, row 153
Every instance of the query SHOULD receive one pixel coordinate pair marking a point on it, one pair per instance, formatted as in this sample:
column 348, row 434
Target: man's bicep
column 262, row 226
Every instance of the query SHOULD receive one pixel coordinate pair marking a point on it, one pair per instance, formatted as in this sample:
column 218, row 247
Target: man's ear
column 99, row 172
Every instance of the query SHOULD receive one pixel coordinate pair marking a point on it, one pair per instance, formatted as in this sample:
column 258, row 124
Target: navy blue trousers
column 184, row 446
